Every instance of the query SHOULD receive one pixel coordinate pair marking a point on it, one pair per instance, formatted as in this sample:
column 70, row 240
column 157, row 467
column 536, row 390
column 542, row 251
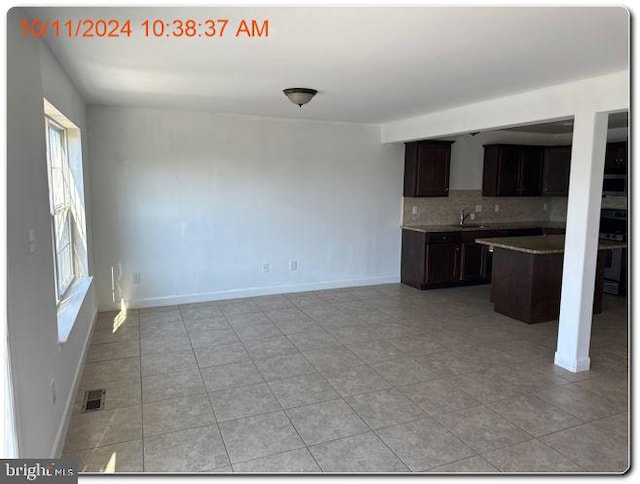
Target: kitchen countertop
column 484, row 226
column 541, row 244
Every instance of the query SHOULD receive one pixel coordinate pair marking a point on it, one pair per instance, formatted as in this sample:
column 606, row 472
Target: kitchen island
column 526, row 281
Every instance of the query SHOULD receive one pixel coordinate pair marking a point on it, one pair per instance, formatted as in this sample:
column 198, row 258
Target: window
column 60, row 205
column 68, row 220
column 66, row 205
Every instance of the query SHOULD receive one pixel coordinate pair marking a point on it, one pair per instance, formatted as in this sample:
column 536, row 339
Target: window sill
column 70, row 307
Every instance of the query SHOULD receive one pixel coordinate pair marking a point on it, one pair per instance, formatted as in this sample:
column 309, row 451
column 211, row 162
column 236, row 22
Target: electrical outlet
column 31, row 241
column 414, row 210
column 293, row 265
column 136, row 278
column 496, row 208
column 472, row 216
column 545, row 207
column 478, row 208
column 52, row 387
column 265, row 267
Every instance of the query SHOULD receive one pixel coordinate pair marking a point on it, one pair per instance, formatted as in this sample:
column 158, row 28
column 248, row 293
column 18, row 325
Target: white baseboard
column 570, row 364
column 248, row 292
column 58, row 443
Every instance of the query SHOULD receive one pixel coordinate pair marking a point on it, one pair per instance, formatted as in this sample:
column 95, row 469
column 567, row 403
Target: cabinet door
column 530, row 171
column 509, row 171
column 615, row 158
column 410, row 169
column 555, row 170
column 442, row 263
column 471, row 261
column 413, row 263
column 433, row 170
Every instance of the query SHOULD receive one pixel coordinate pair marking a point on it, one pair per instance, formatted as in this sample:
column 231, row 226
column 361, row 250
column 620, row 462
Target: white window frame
column 61, row 210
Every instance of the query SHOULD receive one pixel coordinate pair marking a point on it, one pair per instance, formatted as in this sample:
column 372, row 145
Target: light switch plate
column 31, row 241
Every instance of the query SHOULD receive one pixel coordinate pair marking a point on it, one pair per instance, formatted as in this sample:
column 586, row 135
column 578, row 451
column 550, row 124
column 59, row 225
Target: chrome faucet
column 463, row 216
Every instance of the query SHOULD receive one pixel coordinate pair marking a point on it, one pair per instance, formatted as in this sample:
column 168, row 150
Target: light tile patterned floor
column 371, row 379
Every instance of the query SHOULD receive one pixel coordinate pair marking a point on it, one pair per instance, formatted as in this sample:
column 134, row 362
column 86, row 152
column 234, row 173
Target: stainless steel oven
column 613, row 226
column 614, row 185
column 613, row 271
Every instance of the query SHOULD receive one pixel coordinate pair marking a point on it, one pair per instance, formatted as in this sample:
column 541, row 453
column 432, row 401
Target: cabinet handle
column 455, row 263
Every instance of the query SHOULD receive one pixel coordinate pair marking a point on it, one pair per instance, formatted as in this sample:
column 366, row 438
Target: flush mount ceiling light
column 300, row 95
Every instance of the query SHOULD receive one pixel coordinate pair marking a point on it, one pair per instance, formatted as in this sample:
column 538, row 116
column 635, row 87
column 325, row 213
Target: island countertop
column 541, row 244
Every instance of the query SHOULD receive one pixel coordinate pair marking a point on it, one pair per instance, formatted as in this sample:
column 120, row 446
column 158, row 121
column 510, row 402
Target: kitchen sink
column 474, row 226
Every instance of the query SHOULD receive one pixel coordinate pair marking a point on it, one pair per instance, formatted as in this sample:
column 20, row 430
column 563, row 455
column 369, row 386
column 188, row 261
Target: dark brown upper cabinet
column 426, row 168
column 555, row 170
column 512, row 170
column 615, row 158
column 530, row 179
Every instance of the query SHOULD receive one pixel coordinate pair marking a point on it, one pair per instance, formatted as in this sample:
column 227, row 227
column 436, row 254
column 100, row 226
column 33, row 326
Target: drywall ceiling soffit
column 370, row 64
column 616, row 120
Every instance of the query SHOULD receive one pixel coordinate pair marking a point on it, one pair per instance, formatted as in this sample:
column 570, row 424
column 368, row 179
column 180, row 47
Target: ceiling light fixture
column 300, row 95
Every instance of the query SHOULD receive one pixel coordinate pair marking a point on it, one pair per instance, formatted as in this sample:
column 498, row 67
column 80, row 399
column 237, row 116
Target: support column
column 581, row 243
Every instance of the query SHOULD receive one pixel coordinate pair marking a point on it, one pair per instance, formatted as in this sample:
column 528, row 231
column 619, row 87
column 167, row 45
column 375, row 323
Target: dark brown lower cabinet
column 528, row 286
column 472, row 258
column 444, row 259
column 443, row 263
column 413, row 260
column 431, row 260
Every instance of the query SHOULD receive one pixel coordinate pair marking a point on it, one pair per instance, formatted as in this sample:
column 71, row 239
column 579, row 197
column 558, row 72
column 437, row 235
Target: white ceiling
column 369, row 64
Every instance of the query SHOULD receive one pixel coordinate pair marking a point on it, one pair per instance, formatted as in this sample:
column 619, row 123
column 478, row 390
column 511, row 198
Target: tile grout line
column 352, row 409
column 373, row 431
column 213, row 412
column 141, row 390
column 430, row 469
column 282, row 408
column 539, row 438
column 261, row 376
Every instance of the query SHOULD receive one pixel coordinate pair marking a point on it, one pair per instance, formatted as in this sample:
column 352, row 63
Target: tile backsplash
column 446, row 210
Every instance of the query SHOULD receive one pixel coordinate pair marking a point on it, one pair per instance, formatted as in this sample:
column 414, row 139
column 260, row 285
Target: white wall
column 196, row 202
column 35, row 355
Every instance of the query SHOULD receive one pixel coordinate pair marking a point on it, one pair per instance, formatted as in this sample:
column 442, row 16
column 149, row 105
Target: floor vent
column 93, row 400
